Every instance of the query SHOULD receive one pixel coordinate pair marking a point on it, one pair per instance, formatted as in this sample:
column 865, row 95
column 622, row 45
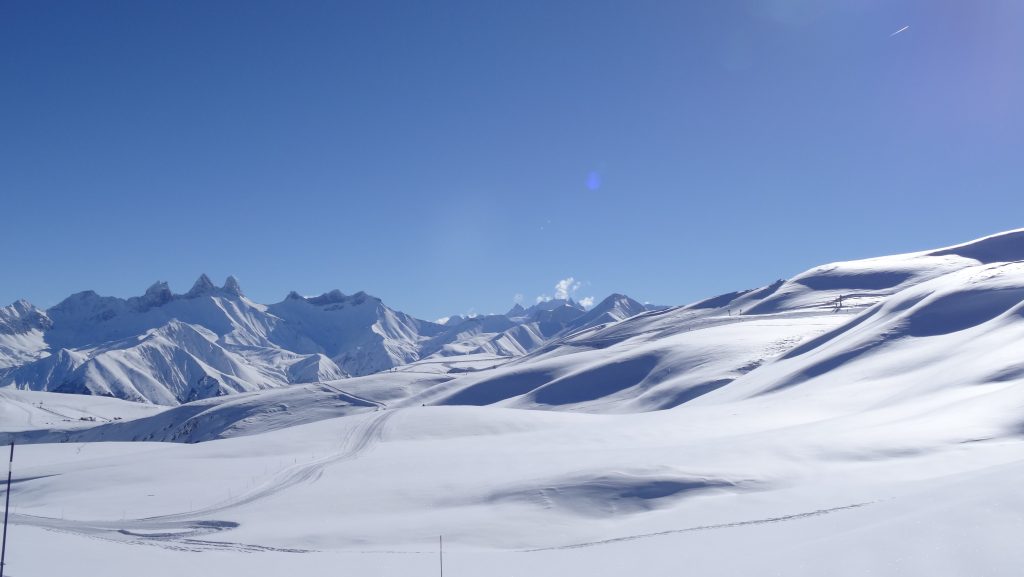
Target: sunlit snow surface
column 882, row 438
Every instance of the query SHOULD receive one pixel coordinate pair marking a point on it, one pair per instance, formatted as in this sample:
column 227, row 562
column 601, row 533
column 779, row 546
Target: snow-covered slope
column 661, row 359
column 879, row 435
column 21, row 333
column 358, row 332
column 45, row 416
column 953, row 332
column 522, row 330
column 617, row 356
column 202, row 420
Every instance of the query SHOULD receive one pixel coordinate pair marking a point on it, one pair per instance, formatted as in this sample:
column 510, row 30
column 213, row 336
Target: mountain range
column 354, row 353
column 168, row 348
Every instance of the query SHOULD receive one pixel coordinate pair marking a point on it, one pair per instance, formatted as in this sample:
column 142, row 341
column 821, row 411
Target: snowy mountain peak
column 202, row 286
column 552, row 304
column 336, row 297
column 620, row 302
column 22, row 316
column 178, row 331
column 158, row 288
column 613, row 308
column 232, row 287
column 516, row 311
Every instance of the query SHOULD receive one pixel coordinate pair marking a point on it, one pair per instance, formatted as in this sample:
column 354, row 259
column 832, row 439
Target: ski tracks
column 765, row 521
column 357, row 440
column 180, row 530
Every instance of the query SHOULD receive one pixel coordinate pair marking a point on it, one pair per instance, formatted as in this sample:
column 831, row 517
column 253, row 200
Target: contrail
column 898, row 31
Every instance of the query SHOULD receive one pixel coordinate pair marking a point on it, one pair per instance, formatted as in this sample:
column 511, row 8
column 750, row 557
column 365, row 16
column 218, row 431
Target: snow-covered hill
column 661, row 359
column 860, row 418
column 522, row 330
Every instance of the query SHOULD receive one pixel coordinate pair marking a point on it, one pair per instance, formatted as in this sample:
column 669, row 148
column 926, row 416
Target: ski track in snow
column 765, row 521
column 339, row 390
column 179, row 530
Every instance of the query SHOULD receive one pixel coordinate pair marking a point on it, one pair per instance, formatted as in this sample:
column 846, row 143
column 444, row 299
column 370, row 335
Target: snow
column 169, row 349
column 770, row 431
column 21, row 333
column 644, row 491
column 54, row 414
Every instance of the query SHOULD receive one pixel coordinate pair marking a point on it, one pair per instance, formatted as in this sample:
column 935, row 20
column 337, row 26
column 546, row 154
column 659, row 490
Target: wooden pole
column 7, row 506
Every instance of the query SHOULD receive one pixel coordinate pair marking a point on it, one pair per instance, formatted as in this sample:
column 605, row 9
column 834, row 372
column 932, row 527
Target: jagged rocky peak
column 552, row 304
column 336, row 297
column 21, row 307
column 160, row 287
column 331, row 297
column 157, row 294
column 202, row 286
column 82, row 296
column 22, row 316
column 454, row 320
column 205, row 286
column 76, row 302
column 516, row 311
column 232, row 287
column 362, row 296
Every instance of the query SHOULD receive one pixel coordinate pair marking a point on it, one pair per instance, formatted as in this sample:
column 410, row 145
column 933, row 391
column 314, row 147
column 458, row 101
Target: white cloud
column 587, row 302
column 566, row 288
column 518, row 298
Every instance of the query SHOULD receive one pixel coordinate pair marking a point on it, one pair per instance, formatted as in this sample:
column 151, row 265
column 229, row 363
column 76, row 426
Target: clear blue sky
column 446, row 156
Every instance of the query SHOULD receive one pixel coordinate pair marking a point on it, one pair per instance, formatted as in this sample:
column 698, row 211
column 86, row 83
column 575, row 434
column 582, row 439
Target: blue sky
column 447, row 156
